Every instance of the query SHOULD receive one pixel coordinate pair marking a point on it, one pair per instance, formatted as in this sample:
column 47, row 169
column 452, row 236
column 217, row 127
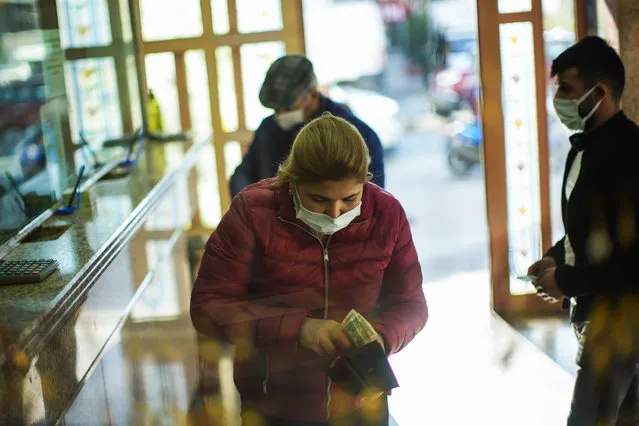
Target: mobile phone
column 528, row 278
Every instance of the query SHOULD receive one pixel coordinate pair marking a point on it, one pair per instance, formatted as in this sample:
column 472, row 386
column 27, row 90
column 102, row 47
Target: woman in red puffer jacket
column 290, row 259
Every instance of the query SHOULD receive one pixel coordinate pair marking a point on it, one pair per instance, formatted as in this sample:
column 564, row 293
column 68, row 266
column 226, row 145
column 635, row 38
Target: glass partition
column 65, row 79
column 33, row 172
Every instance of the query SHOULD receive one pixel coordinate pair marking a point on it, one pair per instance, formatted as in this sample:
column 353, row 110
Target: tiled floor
column 467, row 367
column 554, row 336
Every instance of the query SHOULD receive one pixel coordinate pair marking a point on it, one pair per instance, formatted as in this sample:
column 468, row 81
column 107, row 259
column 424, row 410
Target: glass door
column 525, row 146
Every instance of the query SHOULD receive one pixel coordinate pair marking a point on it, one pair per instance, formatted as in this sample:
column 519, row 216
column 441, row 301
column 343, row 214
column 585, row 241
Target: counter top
column 95, row 235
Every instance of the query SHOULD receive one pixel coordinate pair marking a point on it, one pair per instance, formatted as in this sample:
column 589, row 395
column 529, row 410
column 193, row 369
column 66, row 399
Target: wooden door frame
column 489, row 20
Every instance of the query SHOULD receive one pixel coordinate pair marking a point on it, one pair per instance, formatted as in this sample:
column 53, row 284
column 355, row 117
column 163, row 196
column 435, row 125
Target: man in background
column 290, row 89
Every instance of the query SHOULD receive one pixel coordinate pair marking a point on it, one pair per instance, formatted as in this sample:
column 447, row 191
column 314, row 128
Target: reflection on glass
column 256, row 58
column 232, row 157
column 559, row 34
column 134, row 94
column 522, row 151
column 164, row 392
column 94, row 105
column 160, row 77
column 220, row 11
column 198, row 87
column 514, row 6
column 84, row 23
column 32, row 102
column 226, row 88
column 254, row 17
column 125, row 16
column 173, row 210
column 160, row 299
column 207, row 188
column 169, row 19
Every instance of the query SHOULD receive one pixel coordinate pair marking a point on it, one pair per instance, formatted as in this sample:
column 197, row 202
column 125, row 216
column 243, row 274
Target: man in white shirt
column 595, row 265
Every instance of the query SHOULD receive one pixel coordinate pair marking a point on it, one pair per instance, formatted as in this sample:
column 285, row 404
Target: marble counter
column 38, row 321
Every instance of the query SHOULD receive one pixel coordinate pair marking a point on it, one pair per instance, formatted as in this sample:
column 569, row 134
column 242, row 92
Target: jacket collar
column 321, row 108
column 286, row 209
column 580, row 141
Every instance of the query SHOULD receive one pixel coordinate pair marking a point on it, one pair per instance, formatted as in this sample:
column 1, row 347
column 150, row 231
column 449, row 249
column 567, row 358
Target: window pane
column 606, row 25
column 256, row 58
column 226, row 88
column 514, row 6
column 134, row 91
column 232, row 157
column 220, row 12
column 94, row 105
column 522, row 149
column 253, row 17
column 160, row 77
column 198, row 86
column 169, row 19
column 357, row 47
column 207, row 188
column 84, row 23
column 125, row 16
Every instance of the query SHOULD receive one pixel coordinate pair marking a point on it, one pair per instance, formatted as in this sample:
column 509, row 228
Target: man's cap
column 286, row 80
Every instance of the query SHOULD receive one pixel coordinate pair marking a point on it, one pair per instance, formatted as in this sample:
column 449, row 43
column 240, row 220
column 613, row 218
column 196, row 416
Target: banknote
column 360, row 331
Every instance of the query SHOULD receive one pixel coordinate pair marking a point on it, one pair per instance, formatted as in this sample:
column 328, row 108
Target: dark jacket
column 271, row 145
column 601, row 218
column 264, row 272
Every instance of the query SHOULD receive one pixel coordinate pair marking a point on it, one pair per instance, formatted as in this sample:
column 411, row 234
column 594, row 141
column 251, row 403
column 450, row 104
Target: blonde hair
column 327, row 148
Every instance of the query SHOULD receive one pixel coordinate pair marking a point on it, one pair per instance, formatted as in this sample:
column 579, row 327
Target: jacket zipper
column 326, row 284
column 325, row 260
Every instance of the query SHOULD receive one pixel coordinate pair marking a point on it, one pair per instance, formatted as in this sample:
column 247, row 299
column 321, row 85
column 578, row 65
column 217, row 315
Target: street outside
column 447, row 213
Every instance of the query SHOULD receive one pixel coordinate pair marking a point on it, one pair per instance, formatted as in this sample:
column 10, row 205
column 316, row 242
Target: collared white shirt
column 571, row 181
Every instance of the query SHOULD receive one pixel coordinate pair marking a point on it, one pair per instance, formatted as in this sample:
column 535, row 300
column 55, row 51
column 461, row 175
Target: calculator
column 26, row 271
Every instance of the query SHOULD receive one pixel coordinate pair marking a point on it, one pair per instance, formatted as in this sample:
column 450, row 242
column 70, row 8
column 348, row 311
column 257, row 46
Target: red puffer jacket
column 264, row 273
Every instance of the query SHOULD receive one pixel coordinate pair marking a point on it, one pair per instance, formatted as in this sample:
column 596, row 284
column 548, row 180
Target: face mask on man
column 290, row 119
column 323, row 223
column 568, row 111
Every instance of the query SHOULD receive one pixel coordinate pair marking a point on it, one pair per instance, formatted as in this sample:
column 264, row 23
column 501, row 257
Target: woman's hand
column 324, row 337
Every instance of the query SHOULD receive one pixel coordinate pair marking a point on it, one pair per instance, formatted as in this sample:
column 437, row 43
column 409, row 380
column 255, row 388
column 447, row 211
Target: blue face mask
column 322, row 223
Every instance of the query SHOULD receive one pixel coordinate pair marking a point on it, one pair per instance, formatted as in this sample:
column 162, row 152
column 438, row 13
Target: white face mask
column 568, row 112
column 323, row 223
column 290, row 119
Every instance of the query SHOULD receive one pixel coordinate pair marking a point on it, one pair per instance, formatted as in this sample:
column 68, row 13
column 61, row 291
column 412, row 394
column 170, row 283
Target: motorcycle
column 463, row 147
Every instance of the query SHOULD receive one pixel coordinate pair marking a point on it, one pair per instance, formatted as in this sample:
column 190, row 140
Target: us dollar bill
column 360, row 331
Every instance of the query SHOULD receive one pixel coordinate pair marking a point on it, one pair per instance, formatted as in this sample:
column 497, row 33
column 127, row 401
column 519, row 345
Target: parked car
column 378, row 111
